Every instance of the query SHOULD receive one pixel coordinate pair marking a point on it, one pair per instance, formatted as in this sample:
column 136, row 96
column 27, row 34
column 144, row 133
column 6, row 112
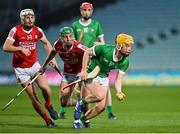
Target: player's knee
column 45, row 88
column 100, row 108
column 100, row 97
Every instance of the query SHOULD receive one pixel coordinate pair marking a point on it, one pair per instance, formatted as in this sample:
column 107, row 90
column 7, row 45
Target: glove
column 120, row 96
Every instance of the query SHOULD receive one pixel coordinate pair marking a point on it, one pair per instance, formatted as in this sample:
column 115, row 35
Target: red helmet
column 86, row 5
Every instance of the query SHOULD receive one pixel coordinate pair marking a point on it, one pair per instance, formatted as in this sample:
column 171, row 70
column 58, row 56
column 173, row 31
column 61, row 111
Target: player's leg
column 75, row 93
column 99, row 95
column 37, row 104
column 85, row 93
column 65, row 96
column 46, row 91
column 109, row 105
column 65, row 99
column 23, row 77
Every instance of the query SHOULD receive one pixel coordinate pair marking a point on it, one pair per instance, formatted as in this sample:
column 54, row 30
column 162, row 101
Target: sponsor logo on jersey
column 29, row 37
column 85, row 29
column 70, row 61
column 109, row 63
column 28, row 45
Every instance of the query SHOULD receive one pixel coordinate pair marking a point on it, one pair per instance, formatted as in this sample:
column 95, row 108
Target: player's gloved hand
column 120, row 96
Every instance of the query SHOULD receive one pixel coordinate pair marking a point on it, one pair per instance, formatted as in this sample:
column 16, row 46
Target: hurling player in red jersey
column 71, row 52
column 22, row 42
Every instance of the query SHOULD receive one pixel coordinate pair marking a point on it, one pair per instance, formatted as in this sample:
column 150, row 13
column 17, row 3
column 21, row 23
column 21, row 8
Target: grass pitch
column 145, row 110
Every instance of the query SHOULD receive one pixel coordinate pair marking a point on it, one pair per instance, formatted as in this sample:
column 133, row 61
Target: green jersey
column 91, row 31
column 104, row 58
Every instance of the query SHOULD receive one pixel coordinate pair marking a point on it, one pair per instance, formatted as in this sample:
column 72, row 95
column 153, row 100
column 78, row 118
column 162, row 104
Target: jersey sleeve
column 82, row 47
column 125, row 65
column 41, row 34
column 97, row 50
column 11, row 35
column 74, row 30
column 56, row 45
column 99, row 31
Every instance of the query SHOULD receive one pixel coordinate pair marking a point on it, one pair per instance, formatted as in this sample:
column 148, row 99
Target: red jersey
column 72, row 58
column 25, row 39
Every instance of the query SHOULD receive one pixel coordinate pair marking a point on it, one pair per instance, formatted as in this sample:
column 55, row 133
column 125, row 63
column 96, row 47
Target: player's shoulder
column 80, row 45
column 17, row 27
column 77, row 43
column 58, row 42
column 75, row 23
column 37, row 28
column 106, row 46
column 93, row 21
column 109, row 45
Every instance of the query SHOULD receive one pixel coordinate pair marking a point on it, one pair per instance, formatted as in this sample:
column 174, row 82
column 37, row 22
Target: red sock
column 45, row 117
column 48, row 103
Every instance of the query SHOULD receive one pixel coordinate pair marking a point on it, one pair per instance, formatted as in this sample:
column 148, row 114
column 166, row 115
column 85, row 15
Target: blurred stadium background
column 155, row 25
column 152, row 81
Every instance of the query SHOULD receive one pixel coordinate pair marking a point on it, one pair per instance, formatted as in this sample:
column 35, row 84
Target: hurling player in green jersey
column 107, row 57
column 89, row 32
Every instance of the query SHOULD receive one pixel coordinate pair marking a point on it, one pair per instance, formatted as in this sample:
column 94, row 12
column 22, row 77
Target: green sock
column 83, row 100
column 62, row 109
column 109, row 108
column 83, row 119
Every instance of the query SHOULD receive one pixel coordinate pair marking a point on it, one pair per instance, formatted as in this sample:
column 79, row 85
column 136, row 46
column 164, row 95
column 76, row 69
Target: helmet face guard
column 25, row 12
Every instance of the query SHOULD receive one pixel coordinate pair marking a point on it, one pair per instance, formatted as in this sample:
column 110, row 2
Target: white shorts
column 102, row 81
column 68, row 77
column 25, row 74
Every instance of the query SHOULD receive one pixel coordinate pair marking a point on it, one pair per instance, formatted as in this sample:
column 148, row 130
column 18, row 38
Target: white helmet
column 25, row 12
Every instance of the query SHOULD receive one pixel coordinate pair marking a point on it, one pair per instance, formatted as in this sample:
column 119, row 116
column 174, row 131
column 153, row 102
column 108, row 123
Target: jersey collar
column 114, row 58
column 85, row 24
column 26, row 31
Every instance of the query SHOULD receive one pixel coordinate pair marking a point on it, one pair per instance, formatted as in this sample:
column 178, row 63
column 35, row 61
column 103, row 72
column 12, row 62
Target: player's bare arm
column 100, row 42
column 118, row 86
column 48, row 59
column 87, row 55
column 48, row 47
column 9, row 47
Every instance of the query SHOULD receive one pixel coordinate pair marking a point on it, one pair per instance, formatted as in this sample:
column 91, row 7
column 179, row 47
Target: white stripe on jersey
column 40, row 30
column 82, row 47
column 93, row 49
column 11, row 34
column 102, row 35
column 122, row 73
